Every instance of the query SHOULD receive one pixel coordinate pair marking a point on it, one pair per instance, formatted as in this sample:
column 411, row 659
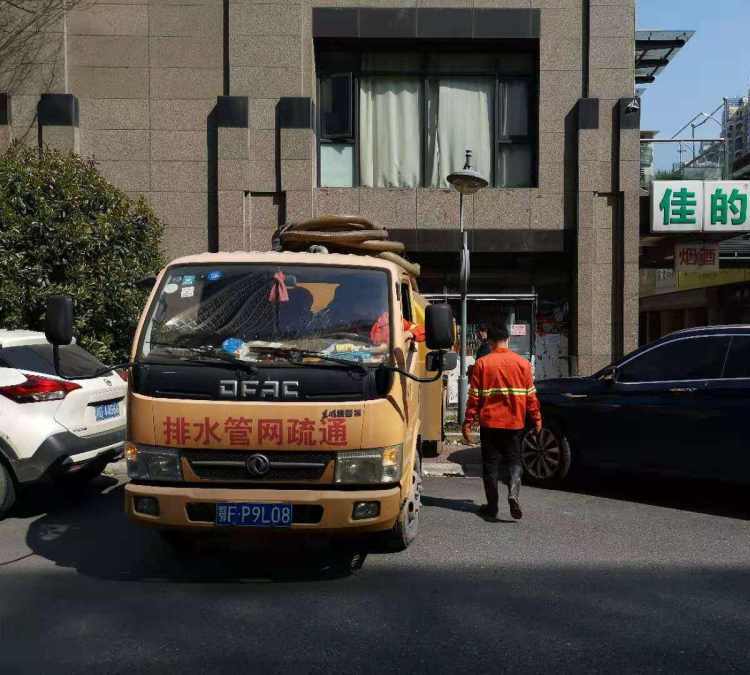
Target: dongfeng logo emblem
column 258, row 465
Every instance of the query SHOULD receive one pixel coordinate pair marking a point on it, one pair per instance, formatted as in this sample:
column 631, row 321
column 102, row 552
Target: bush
column 65, row 229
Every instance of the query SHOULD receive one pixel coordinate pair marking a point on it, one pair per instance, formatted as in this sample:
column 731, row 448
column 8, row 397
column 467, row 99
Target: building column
column 6, row 135
column 232, row 170
column 629, row 184
column 57, row 116
column 593, row 330
column 297, row 156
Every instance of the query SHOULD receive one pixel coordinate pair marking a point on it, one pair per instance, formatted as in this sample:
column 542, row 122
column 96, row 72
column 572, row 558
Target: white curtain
column 460, row 117
column 389, row 132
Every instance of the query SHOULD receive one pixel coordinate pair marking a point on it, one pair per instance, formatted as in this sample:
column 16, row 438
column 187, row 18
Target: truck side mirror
column 439, row 326
column 441, row 361
column 58, row 326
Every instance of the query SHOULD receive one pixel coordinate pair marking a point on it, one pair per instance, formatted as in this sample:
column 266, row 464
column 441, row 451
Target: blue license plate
column 244, row 514
column 107, row 411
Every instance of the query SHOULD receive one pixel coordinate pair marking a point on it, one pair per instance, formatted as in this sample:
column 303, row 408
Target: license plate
column 254, row 515
column 107, row 411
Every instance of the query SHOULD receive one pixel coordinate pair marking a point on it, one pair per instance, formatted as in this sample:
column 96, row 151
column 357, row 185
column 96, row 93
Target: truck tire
column 7, row 491
column 405, row 530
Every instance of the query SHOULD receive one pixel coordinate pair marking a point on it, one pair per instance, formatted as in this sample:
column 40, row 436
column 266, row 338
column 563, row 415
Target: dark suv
column 679, row 405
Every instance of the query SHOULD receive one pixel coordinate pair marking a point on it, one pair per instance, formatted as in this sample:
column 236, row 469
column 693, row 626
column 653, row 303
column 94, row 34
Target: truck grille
column 284, row 466
column 205, row 512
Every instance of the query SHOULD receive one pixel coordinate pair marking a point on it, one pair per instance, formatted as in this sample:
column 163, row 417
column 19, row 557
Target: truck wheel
column 7, row 491
column 546, row 458
column 405, row 530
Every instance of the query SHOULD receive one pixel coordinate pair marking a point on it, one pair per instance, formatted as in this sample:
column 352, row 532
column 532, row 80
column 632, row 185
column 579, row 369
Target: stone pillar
column 57, row 116
column 232, row 171
column 6, row 135
column 297, row 156
column 593, row 288
column 629, row 184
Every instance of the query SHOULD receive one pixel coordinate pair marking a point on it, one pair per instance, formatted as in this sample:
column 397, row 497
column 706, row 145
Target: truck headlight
column 376, row 465
column 148, row 463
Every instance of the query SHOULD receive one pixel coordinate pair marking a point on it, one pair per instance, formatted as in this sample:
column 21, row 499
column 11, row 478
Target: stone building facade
column 233, row 116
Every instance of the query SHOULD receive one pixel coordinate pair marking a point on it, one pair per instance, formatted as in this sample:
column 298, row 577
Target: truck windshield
column 262, row 313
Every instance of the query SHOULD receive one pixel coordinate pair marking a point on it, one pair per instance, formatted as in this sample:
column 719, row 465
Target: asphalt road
column 616, row 576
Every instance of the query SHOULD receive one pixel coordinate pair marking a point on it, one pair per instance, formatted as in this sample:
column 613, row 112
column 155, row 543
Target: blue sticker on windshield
column 188, row 280
column 214, row 275
column 232, row 345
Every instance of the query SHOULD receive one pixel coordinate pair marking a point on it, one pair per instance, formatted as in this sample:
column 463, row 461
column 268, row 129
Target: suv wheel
column 545, row 456
column 7, row 491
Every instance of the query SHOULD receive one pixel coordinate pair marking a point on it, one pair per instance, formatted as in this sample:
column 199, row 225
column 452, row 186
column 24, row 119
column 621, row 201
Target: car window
column 74, row 360
column 738, row 362
column 687, row 359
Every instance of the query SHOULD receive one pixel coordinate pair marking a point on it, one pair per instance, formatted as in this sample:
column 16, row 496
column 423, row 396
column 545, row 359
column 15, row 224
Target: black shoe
column 515, row 508
column 487, row 513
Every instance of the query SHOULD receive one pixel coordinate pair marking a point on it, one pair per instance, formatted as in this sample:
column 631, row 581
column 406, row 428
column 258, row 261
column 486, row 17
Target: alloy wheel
column 541, row 454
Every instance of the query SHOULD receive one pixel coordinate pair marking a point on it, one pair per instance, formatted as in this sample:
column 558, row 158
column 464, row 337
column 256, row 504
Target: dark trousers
column 500, row 446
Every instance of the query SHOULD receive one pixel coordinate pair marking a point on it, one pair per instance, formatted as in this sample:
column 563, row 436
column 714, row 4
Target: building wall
column 147, row 75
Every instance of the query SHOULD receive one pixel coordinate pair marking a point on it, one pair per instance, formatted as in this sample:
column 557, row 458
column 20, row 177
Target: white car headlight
column 376, row 465
column 149, row 463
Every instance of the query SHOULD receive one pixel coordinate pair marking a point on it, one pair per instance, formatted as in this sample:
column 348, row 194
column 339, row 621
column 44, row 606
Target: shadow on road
column 699, row 496
column 90, row 533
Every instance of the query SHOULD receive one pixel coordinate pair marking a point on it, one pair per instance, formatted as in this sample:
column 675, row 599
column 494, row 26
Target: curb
column 442, row 469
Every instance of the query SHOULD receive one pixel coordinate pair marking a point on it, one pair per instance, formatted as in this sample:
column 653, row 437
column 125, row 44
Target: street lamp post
column 466, row 182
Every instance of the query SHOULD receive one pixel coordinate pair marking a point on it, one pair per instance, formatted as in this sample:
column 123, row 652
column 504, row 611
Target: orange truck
column 264, row 393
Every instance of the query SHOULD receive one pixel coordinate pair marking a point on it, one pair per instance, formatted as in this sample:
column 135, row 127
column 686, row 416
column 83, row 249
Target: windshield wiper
column 208, row 355
column 296, row 355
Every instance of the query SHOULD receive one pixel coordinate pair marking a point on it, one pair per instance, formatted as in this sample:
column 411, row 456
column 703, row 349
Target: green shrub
column 65, row 229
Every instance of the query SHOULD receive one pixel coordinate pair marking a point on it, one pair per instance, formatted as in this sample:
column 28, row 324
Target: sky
column 714, row 63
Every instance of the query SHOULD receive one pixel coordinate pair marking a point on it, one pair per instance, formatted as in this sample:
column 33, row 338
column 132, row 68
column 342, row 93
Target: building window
column 404, row 120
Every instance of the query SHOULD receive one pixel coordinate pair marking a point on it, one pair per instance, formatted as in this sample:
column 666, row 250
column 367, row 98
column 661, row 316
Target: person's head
column 482, row 331
column 498, row 335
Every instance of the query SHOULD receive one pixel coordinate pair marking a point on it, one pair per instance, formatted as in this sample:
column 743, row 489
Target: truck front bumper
column 314, row 510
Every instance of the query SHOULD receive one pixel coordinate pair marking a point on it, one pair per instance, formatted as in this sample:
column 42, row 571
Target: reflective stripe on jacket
column 502, row 392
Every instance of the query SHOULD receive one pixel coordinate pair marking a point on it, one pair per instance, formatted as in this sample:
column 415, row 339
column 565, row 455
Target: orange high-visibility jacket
column 502, row 392
column 380, row 332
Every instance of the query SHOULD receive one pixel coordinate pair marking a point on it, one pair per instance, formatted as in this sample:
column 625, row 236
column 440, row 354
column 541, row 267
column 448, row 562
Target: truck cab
column 287, row 391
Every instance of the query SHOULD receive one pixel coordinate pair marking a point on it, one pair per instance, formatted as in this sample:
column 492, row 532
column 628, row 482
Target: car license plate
column 254, row 515
column 107, row 411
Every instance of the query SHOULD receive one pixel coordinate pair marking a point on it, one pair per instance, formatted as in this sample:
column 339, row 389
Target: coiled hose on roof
column 343, row 234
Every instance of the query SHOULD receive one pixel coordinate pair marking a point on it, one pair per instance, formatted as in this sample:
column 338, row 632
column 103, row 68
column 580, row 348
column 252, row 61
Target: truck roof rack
column 343, row 234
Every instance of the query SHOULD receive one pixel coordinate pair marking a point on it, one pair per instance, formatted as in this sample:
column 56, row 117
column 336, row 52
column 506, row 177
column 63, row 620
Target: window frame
column 425, row 74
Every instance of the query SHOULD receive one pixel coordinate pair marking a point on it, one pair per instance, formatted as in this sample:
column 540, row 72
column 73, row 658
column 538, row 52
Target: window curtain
column 460, row 117
column 389, row 132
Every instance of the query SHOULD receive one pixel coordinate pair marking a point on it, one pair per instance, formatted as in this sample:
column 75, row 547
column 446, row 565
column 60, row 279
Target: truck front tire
column 7, row 491
column 405, row 530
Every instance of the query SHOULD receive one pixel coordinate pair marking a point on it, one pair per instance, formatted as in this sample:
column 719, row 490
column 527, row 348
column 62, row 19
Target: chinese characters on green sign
column 723, row 204
column 695, row 206
column 678, row 207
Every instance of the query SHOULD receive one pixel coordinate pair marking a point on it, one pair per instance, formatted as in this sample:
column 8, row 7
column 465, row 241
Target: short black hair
column 498, row 332
column 482, row 328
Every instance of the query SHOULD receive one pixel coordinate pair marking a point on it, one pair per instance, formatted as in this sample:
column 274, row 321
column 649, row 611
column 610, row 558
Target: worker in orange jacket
column 381, row 331
column 501, row 396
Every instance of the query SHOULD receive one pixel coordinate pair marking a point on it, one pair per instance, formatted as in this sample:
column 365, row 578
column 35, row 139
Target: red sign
column 237, row 432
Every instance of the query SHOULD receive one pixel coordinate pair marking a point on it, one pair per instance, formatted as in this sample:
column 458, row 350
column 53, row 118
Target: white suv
column 50, row 426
